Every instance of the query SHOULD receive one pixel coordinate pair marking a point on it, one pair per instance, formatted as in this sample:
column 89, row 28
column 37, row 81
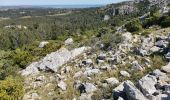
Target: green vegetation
column 11, row 89
column 134, row 26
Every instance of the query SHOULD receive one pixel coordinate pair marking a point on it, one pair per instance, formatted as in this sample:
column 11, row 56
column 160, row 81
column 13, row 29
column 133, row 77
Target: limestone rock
column 90, row 87
column 127, row 36
column 166, row 68
column 90, row 72
column 136, row 66
column 30, row 70
column 42, row 44
column 125, row 73
column 147, row 85
column 112, row 81
column 132, row 92
column 52, row 62
column 154, row 49
column 119, row 92
column 62, row 85
column 106, row 17
column 69, row 41
column 85, row 96
column 78, row 74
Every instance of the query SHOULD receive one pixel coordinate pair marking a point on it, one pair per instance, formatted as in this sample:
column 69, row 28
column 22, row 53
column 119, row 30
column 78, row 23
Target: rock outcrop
column 53, row 61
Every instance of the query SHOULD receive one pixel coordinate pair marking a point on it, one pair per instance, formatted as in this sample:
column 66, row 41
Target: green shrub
column 111, row 40
column 11, row 89
column 21, row 58
column 134, row 26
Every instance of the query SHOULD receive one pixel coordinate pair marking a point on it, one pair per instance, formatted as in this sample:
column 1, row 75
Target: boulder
column 52, row 62
column 105, row 67
column 166, row 68
column 162, row 77
column 40, row 78
column 120, row 98
column 132, row 92
column 90, row 72
column 147, row 43
column 34, row 96
column 162, row 97
column 167, row 88
column 136, row 66
column 125, row 73
column 106, row 17
column 85, row 96
column 161, row 44
column 119, row 92
column 87, row 62
column 42, row 44
column 147, row 85
column 167, row 56
column 30, row 70
column 101, row 57
column 140, row 51
column 127, row 36
column 31, row 96
column 112, row 81
column 154, row 49
column 78, row 74
column 158, row 73
column 69, row 41
column 62, row 85
column 89, row 87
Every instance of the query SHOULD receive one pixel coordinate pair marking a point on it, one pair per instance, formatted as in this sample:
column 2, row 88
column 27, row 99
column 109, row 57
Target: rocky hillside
column 137, row 70
column 117, row 52
column 130, row 62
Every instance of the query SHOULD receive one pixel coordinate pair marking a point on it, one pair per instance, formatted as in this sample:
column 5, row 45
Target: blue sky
column 56, row 2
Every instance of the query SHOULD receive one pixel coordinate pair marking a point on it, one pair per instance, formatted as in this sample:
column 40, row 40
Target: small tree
column 134, row 26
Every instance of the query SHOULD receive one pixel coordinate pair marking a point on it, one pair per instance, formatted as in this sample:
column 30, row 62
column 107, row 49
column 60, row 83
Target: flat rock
column 125, row 73
column 78, row 74
column 30, row 70
column 52, row 62
column 166, row 68
column 90, row 72
column 112, row 81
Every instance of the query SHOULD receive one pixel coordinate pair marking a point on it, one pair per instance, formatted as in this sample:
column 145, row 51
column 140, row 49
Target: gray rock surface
column 90, row 72
column 62, row 85
column 112, row 81
column 30, row 70
column 85, row 96
column 132, row 92
column 53, row 61
column 166, row 68
column 147, row 85
column 90, row 87
column 125, row 73
column 69, row 41
column 136, row 66
column 42, row 44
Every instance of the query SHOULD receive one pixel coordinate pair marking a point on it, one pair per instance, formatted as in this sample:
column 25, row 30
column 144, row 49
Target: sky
column 56, row 2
